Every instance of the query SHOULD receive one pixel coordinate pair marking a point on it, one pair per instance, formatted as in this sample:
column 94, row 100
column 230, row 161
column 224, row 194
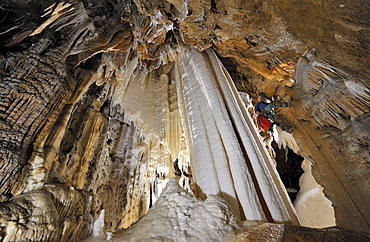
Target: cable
column 317, row 147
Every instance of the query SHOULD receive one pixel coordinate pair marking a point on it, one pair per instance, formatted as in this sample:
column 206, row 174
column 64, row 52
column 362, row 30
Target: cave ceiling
column 63, row 62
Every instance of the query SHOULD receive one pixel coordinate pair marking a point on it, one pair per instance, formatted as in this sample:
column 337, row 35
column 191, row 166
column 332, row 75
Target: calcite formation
column 190, row 214
column 99, row 109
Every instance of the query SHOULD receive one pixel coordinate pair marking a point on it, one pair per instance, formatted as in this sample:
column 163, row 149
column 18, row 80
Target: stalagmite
column 314, row 209
column 186, row 219
column 203, row 77
column 202, row 91
column 133, row 120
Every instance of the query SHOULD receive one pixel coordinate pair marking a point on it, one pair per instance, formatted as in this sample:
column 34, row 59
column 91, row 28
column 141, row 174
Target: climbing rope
column 318, row 149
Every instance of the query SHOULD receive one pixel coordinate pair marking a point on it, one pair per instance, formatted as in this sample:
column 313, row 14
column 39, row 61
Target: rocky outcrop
column 66, row 66
column 178, row 214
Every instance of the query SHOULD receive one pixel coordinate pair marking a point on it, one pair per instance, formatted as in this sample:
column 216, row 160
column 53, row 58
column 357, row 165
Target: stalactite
column 331, row 96
column 103, row 102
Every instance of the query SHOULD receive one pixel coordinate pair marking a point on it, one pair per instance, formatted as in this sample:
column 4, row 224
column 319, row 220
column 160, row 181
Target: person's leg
column 269, row 107
column 268, row 111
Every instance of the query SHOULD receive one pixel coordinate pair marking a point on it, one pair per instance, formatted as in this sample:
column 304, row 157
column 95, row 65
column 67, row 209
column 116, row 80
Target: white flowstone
column 179, row 216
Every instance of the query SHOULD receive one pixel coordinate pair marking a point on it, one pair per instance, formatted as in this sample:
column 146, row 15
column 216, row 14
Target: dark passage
column 289, row 169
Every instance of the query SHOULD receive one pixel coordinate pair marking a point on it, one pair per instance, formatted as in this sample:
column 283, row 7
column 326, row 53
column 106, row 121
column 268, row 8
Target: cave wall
column 59, row 64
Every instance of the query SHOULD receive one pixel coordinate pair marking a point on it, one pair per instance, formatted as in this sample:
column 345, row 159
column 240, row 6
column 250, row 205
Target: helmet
column 262, row 95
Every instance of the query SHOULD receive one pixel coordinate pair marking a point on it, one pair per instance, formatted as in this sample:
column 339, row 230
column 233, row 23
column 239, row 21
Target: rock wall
column 63, row 62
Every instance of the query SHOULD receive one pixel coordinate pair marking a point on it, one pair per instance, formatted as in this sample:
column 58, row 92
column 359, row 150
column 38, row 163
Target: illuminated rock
column 104, row 102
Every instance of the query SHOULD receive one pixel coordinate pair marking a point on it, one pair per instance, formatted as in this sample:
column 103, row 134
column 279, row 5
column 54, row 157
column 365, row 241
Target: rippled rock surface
column 92, row 116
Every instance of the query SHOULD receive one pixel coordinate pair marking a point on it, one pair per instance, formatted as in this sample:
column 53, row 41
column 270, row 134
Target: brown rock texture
column 64, row 137
column 279, row 232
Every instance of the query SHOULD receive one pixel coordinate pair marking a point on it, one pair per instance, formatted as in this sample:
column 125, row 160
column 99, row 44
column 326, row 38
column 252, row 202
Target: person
column 265, row 112
column 266, row 109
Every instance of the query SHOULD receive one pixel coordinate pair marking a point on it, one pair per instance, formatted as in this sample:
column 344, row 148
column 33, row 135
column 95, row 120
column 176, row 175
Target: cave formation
column 103, row 102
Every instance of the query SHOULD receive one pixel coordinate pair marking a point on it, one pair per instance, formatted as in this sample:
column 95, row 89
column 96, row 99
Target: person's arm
column 259, row 106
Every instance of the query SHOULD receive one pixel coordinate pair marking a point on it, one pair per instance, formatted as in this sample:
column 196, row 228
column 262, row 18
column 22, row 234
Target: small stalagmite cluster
column 104, row 103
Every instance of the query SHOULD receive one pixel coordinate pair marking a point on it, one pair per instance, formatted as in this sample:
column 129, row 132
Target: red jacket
column 264, row 123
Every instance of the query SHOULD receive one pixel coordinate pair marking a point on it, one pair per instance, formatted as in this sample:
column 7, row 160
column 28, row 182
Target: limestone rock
column 89, row 101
